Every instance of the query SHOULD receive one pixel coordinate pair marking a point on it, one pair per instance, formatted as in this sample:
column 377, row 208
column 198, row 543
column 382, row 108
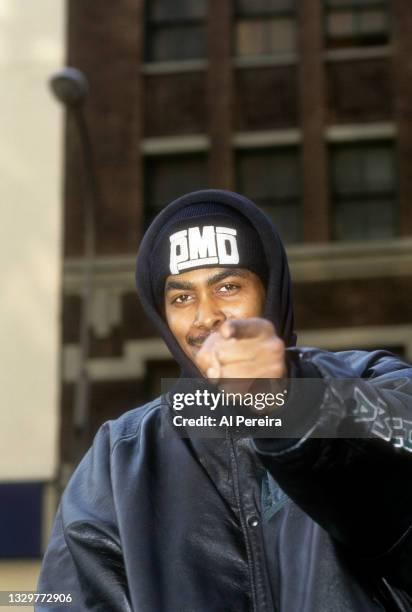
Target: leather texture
column 152, row 522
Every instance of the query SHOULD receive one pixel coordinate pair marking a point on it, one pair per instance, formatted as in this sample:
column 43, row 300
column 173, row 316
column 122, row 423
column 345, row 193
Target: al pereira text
column 235, row 420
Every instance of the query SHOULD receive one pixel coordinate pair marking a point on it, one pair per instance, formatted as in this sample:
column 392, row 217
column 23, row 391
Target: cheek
column 251, row 304
column 177, row 323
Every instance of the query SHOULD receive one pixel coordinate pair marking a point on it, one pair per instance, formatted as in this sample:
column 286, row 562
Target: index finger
column 247, row 328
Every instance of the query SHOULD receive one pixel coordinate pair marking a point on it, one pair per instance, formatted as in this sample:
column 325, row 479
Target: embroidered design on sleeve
column 395, row 429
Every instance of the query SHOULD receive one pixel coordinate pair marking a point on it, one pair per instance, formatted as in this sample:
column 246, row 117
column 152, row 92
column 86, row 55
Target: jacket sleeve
column 84, row 555
column 350, row 465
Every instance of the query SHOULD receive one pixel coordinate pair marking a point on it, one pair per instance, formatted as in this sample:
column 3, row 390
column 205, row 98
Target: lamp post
column 71, row 88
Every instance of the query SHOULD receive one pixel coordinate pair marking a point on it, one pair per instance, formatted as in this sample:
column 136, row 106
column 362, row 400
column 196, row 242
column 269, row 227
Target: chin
column 193, row 351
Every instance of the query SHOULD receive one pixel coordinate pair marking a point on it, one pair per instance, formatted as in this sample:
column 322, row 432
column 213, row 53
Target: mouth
column 197, row 341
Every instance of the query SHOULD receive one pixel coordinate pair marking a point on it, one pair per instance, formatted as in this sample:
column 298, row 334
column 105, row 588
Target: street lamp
column 71, row 88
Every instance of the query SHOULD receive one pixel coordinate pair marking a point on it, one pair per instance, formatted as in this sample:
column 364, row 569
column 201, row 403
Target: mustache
column 197, row 340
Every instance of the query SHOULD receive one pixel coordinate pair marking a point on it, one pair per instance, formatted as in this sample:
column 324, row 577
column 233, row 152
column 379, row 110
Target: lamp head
column 70, row 86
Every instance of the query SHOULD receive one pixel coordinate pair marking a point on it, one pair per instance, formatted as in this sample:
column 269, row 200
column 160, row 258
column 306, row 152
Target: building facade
column 305, row 107
column 31, row 148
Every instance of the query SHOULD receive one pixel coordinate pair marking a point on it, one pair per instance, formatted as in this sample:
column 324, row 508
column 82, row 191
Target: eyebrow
column 186, row 286
column 216, row 278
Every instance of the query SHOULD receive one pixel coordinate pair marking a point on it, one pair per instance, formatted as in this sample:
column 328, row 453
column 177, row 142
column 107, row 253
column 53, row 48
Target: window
column 356, row 22
column 360, row 91
column 175, row 30
column 169, row 177
column 175, row 104
column 264, row 27
column 271, row 178
column 364, row 191
column 265, row 98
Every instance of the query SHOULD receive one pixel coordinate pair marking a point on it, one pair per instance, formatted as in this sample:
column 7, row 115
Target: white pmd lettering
column 202, row 246
column 178, row 250
column 227, row 245
column 193, row 247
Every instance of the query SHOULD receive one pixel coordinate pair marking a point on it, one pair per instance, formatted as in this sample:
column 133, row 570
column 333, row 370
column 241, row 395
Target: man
column 317, row 521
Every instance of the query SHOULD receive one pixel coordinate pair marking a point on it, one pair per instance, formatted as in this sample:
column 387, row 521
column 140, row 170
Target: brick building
column 304, row 106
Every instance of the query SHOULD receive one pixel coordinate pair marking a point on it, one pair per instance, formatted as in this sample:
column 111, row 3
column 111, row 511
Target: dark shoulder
column 371, row 364
column 129, row 424
column 353, row 363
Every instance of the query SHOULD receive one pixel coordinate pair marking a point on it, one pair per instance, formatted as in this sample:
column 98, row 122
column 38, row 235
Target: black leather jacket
column 152, row 522
column 158, row 523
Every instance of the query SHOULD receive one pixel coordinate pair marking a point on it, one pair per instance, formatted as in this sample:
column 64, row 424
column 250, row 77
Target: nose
column 208, row 315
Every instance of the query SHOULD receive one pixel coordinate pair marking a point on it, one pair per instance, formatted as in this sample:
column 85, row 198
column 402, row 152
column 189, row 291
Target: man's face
column 199, row 301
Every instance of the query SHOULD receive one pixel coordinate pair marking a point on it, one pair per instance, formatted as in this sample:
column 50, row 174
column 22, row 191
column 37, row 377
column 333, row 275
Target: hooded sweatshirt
column 278, row 307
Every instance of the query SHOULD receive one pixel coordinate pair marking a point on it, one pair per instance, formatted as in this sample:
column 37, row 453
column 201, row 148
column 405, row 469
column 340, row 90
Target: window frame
column 260, row 16
column 150, row 211
column 364, row 196
column 296, row 201
column 356, row 38
column 152, row 25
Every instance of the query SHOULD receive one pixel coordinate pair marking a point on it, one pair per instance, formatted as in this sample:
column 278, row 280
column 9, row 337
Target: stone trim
column 267, row 138
column 308, row 262
column 357, row 53
column 132, row 365
column 174, row 145
column 354, row 337
column 356, row 132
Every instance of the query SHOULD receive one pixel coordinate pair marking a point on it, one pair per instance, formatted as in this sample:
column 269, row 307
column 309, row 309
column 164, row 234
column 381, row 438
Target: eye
column 228, row 288
column 181, row 299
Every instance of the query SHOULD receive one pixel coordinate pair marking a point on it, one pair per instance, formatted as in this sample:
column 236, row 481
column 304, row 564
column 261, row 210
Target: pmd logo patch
column 198, row 246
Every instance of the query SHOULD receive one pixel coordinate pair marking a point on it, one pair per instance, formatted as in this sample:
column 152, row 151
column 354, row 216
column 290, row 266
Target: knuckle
column 278, row 344
column 276, row 372
column 269, row 325
column 272, row 369
column 266, row 328
column 202, row 358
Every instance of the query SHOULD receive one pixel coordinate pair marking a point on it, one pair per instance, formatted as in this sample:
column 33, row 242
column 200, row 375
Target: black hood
column 278, row 306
